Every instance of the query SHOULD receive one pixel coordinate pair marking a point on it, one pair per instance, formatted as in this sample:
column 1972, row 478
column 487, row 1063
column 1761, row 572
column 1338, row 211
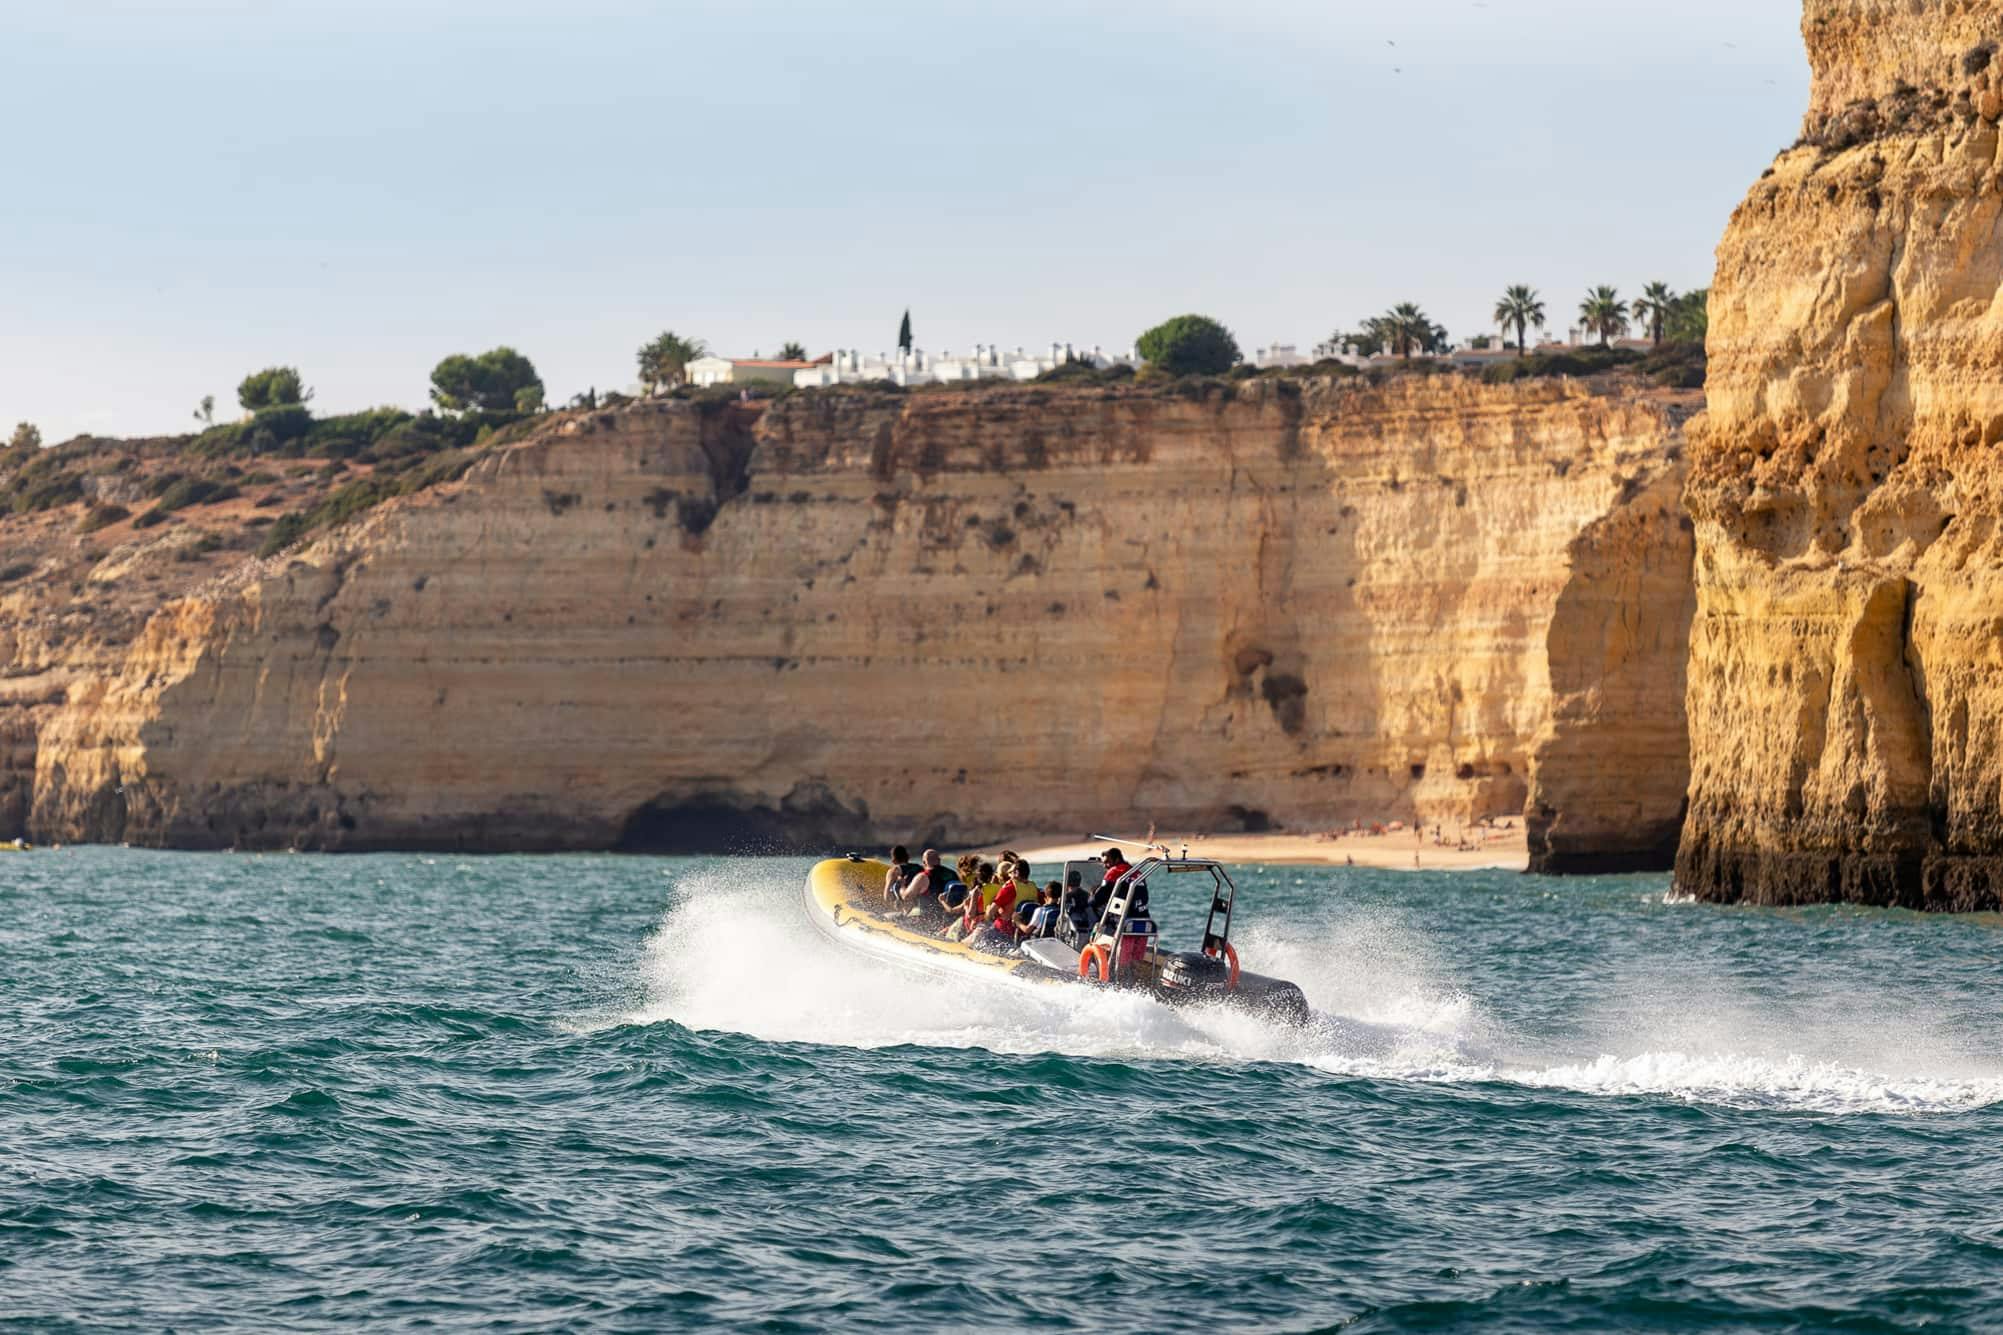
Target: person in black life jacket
column 927, row 885
column 902, row 869
column 1076, row 911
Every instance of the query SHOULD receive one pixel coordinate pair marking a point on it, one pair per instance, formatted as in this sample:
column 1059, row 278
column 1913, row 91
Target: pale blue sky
column 195, row 188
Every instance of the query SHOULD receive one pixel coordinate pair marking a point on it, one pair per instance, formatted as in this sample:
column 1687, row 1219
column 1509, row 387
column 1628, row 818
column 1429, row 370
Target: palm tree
column 792, row 352
column 1604, row 313
column 1403, row 328
column 1655, row 305
column 1522, row 307
column 1689, row 320
column 1365, row 342
column 665, row 361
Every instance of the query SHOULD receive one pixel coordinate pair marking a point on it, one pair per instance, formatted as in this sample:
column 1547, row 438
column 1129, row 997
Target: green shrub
column 16, row 570
column 45, row 493
column 273, row 387
column 1675, row 366
column 1577, row 362
column 288, row 530
column 1189, row 345
column 179, row 493
column 102, row 516
column 290, row 431
column 353, row 434
column 201, row 547
column 492, row 382
column 362, row 494
column 195, row 491
column 1077, row 373
column 280, row 424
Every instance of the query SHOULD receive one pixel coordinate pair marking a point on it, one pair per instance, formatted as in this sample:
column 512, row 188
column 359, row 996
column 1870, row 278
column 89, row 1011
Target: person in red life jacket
column 1116, row 867
column 997, row 929
column 972, row 909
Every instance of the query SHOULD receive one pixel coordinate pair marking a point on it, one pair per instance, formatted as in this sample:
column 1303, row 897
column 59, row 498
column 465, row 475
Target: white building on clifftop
column 984, row 362
column 754, row 370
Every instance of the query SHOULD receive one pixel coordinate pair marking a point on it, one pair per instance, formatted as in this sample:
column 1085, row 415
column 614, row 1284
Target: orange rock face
column 944, row 614
column 1845, row 695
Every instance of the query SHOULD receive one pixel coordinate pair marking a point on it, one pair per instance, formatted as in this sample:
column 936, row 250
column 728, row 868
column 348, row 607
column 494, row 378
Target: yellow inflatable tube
column 845, row 900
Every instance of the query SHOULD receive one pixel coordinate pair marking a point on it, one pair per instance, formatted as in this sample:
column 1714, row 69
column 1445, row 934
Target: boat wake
column 734, row 953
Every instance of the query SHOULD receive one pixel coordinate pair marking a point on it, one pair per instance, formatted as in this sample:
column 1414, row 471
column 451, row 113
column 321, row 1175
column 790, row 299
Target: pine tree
column 904, row 333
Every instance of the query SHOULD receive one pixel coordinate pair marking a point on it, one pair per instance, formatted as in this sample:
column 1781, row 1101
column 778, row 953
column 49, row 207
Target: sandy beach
column 1398, row 850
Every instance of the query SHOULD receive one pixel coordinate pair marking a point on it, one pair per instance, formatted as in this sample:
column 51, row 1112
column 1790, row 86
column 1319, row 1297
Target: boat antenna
column 1136, row 842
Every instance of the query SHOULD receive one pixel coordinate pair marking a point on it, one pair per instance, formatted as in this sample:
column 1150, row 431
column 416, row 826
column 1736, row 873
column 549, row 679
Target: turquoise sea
column 602, row 1093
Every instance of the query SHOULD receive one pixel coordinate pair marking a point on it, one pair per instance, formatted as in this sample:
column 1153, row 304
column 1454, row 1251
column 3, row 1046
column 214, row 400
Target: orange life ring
column 1095, row 951
column 1230, row 958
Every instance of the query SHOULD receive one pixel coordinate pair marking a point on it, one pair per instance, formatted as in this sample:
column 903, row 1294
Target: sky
column 193, row 189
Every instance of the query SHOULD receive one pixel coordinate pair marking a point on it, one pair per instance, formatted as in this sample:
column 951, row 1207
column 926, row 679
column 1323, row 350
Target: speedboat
column 1124, row 951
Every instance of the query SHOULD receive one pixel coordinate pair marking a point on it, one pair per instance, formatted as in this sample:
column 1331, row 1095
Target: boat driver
column 1116, row 867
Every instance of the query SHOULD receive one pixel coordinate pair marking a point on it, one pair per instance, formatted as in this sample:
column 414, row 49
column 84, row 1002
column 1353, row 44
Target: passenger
column 974, row 906
column 1026, row 909
column 1076, row 911
column 902, row 869
column 1025, row 885
column 996, row 930
column 923, row 889
column 1043, row 922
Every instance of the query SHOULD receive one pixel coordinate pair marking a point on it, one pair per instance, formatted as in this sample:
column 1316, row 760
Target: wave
column 734, row 953
column 1744, row 1080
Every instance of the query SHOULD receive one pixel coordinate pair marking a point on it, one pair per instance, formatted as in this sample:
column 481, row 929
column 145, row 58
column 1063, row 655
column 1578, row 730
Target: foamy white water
column 736, row 953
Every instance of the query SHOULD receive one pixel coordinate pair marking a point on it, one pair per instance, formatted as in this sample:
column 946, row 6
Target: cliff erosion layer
column 960, row 614
column 1845, row 699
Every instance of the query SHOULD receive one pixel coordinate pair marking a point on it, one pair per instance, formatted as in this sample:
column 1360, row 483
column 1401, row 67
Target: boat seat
column 1052, row 954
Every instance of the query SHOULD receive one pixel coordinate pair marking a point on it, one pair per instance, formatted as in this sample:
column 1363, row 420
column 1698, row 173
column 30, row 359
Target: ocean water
column 298, row 1093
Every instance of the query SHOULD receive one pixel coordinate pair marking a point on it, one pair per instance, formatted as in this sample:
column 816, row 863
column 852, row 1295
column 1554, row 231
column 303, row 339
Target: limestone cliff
column 954, row 613
column 1845, row 699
